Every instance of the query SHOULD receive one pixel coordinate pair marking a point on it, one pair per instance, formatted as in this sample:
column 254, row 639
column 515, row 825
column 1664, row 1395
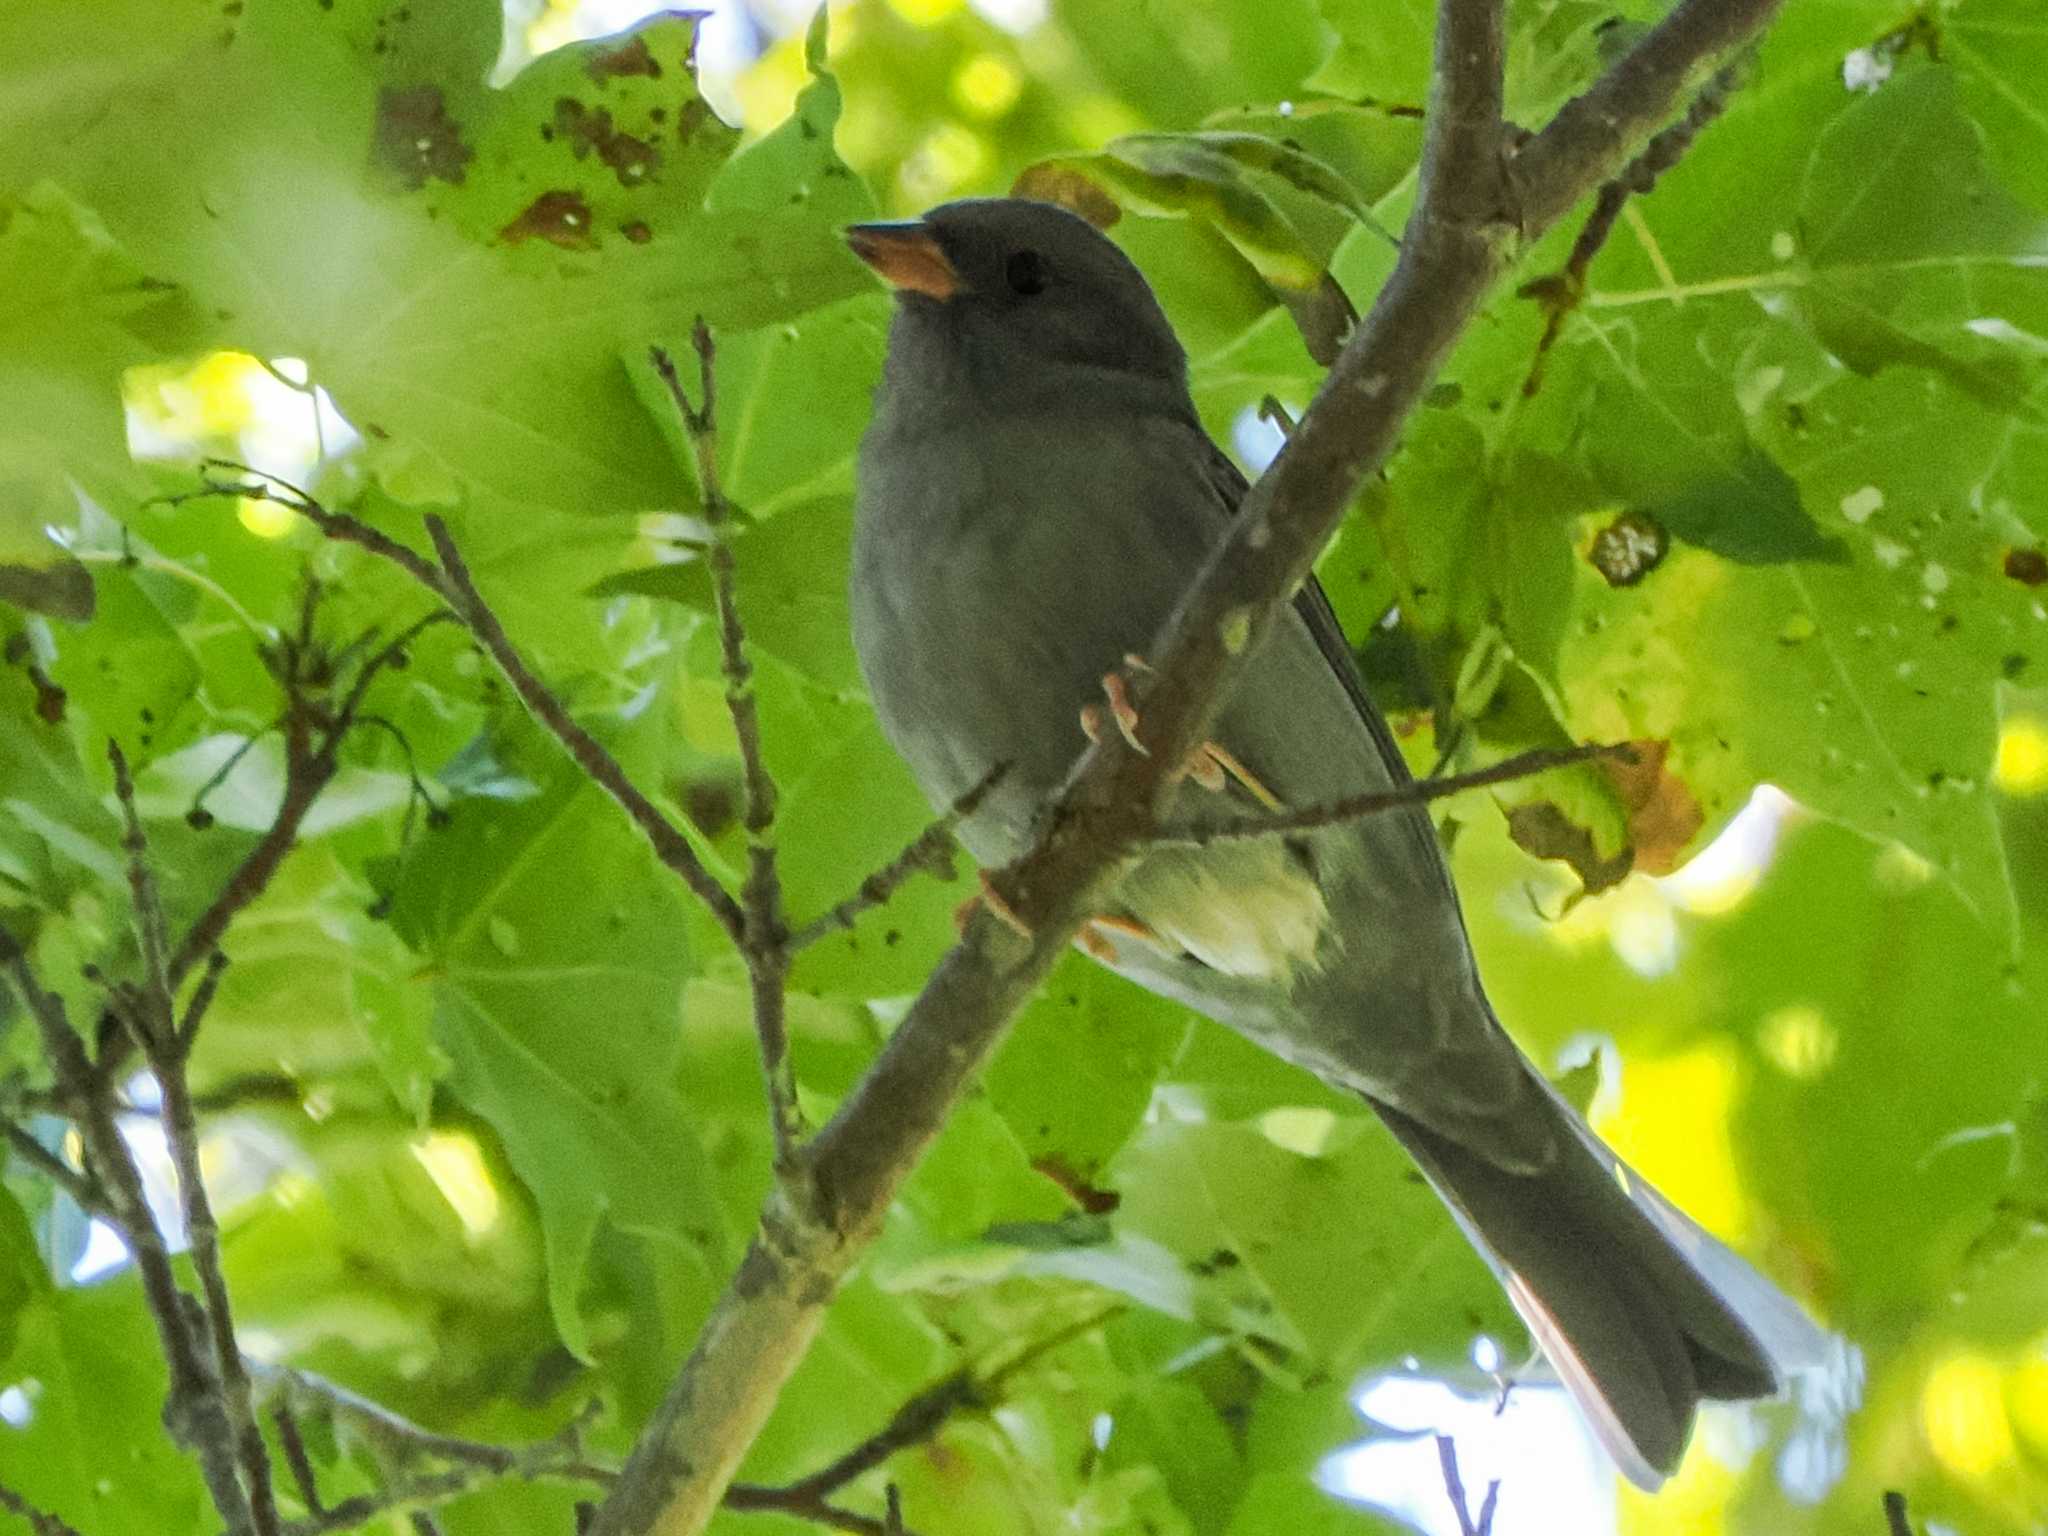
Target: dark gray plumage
column 1036, row 491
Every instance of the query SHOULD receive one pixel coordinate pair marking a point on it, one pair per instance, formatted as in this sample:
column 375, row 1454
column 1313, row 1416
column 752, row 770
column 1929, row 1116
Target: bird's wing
column 1313, row 604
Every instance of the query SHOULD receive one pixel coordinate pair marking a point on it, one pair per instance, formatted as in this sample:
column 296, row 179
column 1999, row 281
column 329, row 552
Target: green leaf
column 355, row 994
column 1289, row 1502
column 1998, row 49
column 1380, row 52
column 1174, row 68
column 1075, row 1074
column 132, row 670
column 93, row 1450
column 1386, row 1274
column 1674, row 445
column 892, row 949
column 790, row 589
column 460, row 351
column 23, row 1276
column 567, row 1045
column 797, row 165
column 70, row 302
column 614, row 128
column 1474, row 546
column 1920, row 258
column 1370, row 151
column 64, row 65
column 1169, row 1425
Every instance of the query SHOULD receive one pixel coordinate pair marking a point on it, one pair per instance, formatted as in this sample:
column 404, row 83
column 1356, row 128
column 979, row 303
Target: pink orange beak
column 907, row 255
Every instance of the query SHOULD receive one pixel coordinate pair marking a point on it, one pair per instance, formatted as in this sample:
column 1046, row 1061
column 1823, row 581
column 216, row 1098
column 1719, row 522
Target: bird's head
column 1021, row 285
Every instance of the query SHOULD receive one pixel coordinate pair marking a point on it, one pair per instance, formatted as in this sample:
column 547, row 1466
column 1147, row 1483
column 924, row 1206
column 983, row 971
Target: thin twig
column 167, row 1047
column 293, row 1444
column 766, row 947
column 392, row 1435
column 670, row 846
column 1454, row 1486
column 362, row 1508
column 194, row 1413
column 391, row 654
column 200, row 1000
column 40, row 1521
column 455, row 586
column 559, row 1458
column 1896, row 1522
column 264, row 486
column 819, row 1512
column 314, row 730
column 253, row 875
column 1563, row 291
column 149, row 909
column 918, row 1420
column 931, row 851
column 83, row 1190
column 1377, row 802
column 181, row 1131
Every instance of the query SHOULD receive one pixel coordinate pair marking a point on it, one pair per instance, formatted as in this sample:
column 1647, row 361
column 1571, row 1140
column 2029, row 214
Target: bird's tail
column 1641, row 1312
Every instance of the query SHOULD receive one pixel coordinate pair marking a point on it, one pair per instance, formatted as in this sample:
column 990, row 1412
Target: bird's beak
column 908, row 256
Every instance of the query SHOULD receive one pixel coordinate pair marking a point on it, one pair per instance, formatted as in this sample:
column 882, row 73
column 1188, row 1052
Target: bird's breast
column 1000, row 571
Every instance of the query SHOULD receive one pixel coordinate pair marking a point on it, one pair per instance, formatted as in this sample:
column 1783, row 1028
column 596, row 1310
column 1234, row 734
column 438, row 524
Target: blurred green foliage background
column 482, row 1097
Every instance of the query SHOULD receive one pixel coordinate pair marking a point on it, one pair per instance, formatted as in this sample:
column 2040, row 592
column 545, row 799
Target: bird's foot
column 1117, row 690
column 1211, row 765
column 988, row 896
column 1095, row 935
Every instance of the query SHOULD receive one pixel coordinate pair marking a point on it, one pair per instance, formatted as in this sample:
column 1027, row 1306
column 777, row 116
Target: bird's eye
column 1026, row 273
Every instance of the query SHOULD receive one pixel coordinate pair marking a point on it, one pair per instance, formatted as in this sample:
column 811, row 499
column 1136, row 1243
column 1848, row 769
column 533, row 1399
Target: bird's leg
column 1211, row 765
column 991, row 898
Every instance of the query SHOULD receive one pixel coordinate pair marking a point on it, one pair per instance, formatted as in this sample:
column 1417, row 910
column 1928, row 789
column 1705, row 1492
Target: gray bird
column 1035, row 493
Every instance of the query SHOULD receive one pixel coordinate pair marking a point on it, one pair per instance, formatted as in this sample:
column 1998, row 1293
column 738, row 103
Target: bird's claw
column 1211, row 765
column 988, row 896
column 1218, row 763
column 1116, row 689
column 1123, row 711
column 1203, row 768
column 1095, row 941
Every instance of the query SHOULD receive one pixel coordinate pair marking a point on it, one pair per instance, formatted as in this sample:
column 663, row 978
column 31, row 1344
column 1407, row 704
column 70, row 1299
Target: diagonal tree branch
column 452, row 579
column 1474, row 204
column 1594, row 134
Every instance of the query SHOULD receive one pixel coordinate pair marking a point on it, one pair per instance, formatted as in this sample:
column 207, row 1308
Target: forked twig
column 765, row 940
